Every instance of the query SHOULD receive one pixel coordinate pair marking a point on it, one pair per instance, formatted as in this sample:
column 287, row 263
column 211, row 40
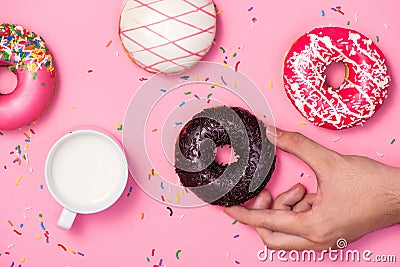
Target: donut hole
column 335, row 74
column 8, row 80
column 225, row 155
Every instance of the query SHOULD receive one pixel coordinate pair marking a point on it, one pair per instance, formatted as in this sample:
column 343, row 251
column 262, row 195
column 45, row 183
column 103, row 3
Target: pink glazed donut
column 25, row 54
column 360, row 95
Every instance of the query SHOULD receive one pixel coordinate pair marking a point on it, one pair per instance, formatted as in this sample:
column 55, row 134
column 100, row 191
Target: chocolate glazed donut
column 229, row 184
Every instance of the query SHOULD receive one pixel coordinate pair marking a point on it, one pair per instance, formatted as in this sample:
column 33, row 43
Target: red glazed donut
column 25, row 54
column 357, row 98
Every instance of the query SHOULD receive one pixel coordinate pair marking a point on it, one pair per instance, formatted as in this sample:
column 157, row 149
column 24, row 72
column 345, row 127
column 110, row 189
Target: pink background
column 77, row 33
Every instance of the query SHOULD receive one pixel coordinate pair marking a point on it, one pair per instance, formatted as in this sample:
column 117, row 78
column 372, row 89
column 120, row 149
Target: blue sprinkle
column 178, row 123
column 163, row 90
column 181, row 104
column 41, row 186
column 323, row 13
column 162, row 185
column 21, row 225
column 42, row 225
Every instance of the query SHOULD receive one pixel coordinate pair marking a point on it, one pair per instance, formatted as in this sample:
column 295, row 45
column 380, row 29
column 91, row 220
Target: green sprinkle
column 34, row 76
column 147, row 258
column 177, row 253
column 186, row 77
column 43, row 84
column 222, row 49
column 392, row 142
column 209, row 95
column 212, row 86
column 187, row 93
column 377, row 39
column 234, row 222
column 348, row 22
column 40, row 215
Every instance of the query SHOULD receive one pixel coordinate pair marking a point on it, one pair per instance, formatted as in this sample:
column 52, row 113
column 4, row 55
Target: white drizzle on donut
column 305, row 82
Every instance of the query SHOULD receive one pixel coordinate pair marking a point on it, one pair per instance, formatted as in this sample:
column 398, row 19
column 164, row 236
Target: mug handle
column 66, row 219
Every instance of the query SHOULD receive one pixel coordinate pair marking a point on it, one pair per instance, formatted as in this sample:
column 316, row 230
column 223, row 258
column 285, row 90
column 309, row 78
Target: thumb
column 318, row 157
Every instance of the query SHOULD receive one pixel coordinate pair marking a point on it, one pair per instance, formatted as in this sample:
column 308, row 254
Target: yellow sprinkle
column 178, row 198
column 38, row 237
column 73, row 107
column 22, row 260
column 19, row 179
column 301, row 123
column 197, row 78
column 219, row 12
column 235, row 84
column 270, row 84
column 226, row 65
column 168, row 200
column 26, row 145
column 183, row 192
column 69, row 249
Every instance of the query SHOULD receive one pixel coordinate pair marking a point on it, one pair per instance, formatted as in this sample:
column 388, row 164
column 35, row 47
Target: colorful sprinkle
column 152, row 252
column 41, row 186
column 148, row 259
column 170, row 211
column 250, row 9
column 323, row 13
column 234, row 222
column 119, row 126
column 348, row 22
column 18, row 233
column 186, row 77
column 142, row 216
column 235, row 236
column 178, row 123
column 196, row 96
column 81, row 254
column 182, row 103
column 222, row 49
column 163, row 90
column 377, row 39
column 237, row 262
column 62, row 246
column 392, row 142
column 177, row 253
column 154, row 130
column 223, row 81
column 90, row 71
column 270, row 85
column 237, row 65
column 130, row 191
column 18, row 180
column 187, row 93
column 254, row 19
column 109, row 43
column 22, row 260
column 218, row 12
column 301, row 123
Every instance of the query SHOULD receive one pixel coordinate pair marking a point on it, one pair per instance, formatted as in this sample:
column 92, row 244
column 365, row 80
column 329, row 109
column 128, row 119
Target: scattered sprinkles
column 182, row 103
column 237, row 65
column 234, row 222
column 119, row 126
column 392, row 142
column 222, row 49
column 236, row 236
column 250, row 9
column 109, row 43
column 323, row 13
column 163, row 90
column 377, row 39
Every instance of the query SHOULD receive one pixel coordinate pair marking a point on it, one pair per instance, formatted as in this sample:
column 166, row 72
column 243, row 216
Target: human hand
column 355, row 196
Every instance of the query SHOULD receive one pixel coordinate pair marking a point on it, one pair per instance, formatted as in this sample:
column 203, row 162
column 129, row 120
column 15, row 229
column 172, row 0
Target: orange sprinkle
column 109, row 43
column 10, row 223
column 27, row 136
column 301, row 123
column 142, row 216
column 154, row 130
column 219, row 12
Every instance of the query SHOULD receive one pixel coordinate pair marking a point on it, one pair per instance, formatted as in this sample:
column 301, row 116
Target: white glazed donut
column 167, row 36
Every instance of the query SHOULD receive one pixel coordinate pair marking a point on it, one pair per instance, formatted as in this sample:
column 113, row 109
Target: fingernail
column 273, row 131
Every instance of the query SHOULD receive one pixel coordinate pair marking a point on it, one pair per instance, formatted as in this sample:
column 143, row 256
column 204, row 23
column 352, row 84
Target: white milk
column 87, row 172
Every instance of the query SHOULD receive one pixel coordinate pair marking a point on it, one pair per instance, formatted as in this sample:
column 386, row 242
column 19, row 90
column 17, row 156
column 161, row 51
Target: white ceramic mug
column 86, row 172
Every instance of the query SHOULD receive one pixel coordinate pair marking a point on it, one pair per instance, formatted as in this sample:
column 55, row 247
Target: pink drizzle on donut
column 361, row 94
column 25, row 54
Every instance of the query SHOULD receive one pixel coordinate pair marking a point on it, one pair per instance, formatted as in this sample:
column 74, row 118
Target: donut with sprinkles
column 26, row 55
column 363, row 90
